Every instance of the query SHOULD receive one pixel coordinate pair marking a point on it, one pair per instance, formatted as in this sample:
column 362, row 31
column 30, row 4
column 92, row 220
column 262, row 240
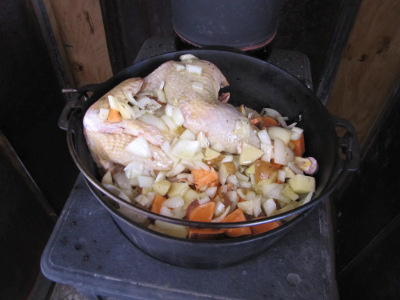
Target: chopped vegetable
column 259, row 229
column 114, row 116
column 203, row 178
column 203, row 212
column 157, row 203
column 236, row 216
column 298, row 145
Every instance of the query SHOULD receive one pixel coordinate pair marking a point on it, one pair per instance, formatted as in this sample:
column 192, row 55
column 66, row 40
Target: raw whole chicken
column 189, row 87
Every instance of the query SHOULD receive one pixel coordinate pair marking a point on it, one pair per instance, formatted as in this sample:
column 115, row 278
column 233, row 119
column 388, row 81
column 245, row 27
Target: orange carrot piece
column 157, row 203
column 114, row 116
column 205, row 234
column 258, row 229
column 264, row 122
column 203, row 212
column 298, row 146
column 204, row 178
column 236, row 216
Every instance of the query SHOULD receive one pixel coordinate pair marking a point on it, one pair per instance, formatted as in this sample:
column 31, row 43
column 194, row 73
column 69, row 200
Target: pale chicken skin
column 193, row 86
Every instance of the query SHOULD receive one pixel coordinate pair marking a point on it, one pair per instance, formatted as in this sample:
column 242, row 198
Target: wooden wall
column 79, row 32
column 369, row 70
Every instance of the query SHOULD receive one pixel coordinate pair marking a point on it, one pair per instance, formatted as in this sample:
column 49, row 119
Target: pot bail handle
column 349, row 146
column 74, row 103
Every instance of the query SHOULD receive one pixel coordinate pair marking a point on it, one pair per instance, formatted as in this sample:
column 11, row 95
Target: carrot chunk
column 114, row 116
column 204, row 178
column 236, row 216
column 203, row 212
column 298, row 145
column 157, row 203
column 258, row 229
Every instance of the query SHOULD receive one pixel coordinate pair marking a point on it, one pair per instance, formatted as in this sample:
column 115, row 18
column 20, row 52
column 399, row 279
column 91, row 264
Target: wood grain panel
column 81, row 30
column 370, row 66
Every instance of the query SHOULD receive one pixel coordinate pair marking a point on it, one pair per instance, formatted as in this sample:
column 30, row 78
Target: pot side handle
column 349, row 154
column 349, row 146
column 74, row 103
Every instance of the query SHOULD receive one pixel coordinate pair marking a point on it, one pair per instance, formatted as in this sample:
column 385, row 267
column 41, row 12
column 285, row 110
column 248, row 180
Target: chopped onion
column 174, row 202
column 126, row 110
column 185, row 149
column 103, row 113
column 107, row 178
column 203, row 199
column 179, row 67
column 268, row 152
column 143, row 200
column 279, row 152
column 153, row 120
column 204, row 142
column 150, row 103
column 187, row 57
column 281, row 175
column 194, row 69
column 170, row 123
column 165, row 211
column 133, row 169
column 292, row 166
column 227, row 158
column 296, row 133
column 161, row 96
column 139, row 147
column 177, row 116
column 222, row 216
column 113, row 102
column 187, row 135
column 211, row 191
column 269, row 207
column 145, row 181
column 219, row 208
column 160, row 176
column 197, row 85
column 169, row 110
column 264, row 137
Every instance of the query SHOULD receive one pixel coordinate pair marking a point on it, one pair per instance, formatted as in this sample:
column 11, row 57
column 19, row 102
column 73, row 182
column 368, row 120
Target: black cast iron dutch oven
column 256, row 84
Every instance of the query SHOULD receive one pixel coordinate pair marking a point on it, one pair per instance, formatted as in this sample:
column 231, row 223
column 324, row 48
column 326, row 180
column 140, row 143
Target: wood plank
column 80, row 27
column 370, row 66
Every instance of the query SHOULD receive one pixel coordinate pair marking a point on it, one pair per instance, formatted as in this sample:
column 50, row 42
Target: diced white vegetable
column 174, row 202
column 187, row 57
column 268, row 150
column 274, row 190
column 169, row 122
column 113, row 102
column 162, row 187
column 177, row 116
column 247, row 207
column 144, row 200
column 211, row 191
column 264, row 137
column 107, row 178
column 178, row 189
column 204, row 142
column 222, row 215
column 139, row 147
column 185, row 149
column 165, row 211
column 133, row 169
column 179, row 67
column 210, row 154
column 197, row 85
column 103, row 113
column 126, row 110
column 269, row 207
column 289, row 193
column 296, row 133
column 283, row 134
column 187, row 135
column 194, row 69
column 249, row 154
column 153, row 120
column 145, row 181
column 280, row 152
column 305, row 199
column 301, row 184
column 281, row 176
